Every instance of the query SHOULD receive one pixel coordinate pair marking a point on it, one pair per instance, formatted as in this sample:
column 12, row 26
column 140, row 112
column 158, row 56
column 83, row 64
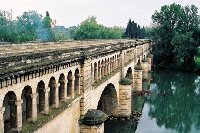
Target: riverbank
column 179, row 67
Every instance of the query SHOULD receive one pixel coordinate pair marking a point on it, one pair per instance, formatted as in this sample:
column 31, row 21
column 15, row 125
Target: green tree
column 45, row 33
column 90, row 29
column 133, row 30
column 28, row 24
column 174, row 33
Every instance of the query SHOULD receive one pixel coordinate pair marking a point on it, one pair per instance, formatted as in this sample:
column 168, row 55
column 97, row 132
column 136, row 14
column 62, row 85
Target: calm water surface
column 172, row 107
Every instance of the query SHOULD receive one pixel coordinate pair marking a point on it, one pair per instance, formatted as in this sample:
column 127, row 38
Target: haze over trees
column 30, row 26
column 176, row 33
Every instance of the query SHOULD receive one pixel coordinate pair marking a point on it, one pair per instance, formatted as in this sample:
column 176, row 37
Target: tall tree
column 133, row 30
column 46, row 33
column 174, row 30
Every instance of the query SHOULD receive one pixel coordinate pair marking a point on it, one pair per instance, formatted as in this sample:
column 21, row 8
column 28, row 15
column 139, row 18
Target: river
column 173, row 106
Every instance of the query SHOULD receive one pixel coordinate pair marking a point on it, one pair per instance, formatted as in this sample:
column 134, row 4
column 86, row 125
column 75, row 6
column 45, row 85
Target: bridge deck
column 21, row 58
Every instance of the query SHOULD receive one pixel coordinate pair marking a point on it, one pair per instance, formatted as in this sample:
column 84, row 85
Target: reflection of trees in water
column 179, row 109
column 115, row 126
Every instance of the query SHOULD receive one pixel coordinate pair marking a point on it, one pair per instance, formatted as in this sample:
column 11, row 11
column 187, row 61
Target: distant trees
column 133, row 30
column 90, row 29
column 176, row 33
column 30, row 26
column 27, row 26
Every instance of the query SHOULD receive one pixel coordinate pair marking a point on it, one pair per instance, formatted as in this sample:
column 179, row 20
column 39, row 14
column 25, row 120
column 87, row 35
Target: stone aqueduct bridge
column 48, row 88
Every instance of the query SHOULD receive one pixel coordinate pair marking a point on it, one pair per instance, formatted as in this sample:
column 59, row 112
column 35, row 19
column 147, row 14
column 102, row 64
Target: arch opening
column 69, row 84
column 129, row 73
column 77, row 82
column 52, row 94
column 99, row 70
column 10, row 114
column 27, row 103
column 102, row 68
column 41, row 97
column 95, row 71
column 62, row 87
column 108, row 102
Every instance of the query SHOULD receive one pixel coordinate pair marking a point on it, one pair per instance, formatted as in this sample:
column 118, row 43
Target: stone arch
column 77, row 81
column 27, row 103
column 105, row 67
column 99, row 69
column 95, row 71
column 70, row 84
column 113, row 61
column 108, row 62
column 52, row 93
column 62, row 87
column 102, row 68
column 41, row 97
column 108, row 102
column 10, row 114
column 129, row 73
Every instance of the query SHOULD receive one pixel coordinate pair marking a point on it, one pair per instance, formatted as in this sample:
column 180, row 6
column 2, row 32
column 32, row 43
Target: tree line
column 30, row 26
column 176, row 34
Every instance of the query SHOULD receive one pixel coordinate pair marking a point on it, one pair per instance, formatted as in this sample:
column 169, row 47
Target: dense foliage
column 133, row 30
column 30, row 26
column 176, row 33
column 125, row 81
column 90, row 29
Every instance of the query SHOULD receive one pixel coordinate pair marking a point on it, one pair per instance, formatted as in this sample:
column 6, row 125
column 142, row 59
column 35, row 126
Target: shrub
column 125, row 81
column 138, row 67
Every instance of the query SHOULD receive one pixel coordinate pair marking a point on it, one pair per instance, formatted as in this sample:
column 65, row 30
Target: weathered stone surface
column 43, row 62
column 94, row 117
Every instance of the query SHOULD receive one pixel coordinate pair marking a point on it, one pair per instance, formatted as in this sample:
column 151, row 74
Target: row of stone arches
column 104, row 67
column 18, row 111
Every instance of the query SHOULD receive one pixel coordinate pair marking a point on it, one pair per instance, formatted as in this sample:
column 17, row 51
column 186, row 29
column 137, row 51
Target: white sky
column 108, row 12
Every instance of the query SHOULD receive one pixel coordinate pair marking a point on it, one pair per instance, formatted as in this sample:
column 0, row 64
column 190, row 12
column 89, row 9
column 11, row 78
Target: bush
column 125, row 81
column 144, row 60
column 138, row 67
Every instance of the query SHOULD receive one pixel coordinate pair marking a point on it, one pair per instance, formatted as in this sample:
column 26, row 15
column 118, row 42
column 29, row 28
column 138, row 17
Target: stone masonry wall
column 65, row 122
column 124, row 108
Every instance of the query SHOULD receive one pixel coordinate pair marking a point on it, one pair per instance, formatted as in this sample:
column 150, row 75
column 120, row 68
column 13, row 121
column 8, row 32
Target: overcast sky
column 108, row 12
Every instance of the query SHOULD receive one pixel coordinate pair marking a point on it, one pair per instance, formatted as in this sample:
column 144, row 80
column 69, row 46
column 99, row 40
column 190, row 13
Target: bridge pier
column 92, row 129
column 124, row 108
column 138, row 78
column 145, row 69
column 93, row 122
